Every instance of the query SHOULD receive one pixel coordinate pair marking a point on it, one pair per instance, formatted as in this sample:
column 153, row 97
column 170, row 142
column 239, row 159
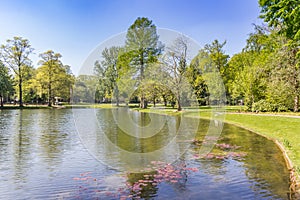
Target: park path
column 262, row 114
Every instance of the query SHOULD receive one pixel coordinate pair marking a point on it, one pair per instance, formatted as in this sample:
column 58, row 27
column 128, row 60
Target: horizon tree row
column 51, row 79
column 264, row 75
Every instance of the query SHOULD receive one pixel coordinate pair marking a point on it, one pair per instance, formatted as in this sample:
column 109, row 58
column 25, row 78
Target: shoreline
column 294, row 176
column 274, row 137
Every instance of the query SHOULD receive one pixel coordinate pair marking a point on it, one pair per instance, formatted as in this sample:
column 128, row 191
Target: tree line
column 264, row 76
column 21, row 83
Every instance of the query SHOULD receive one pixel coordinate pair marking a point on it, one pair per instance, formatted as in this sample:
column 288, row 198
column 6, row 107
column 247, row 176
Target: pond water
column 43, row 157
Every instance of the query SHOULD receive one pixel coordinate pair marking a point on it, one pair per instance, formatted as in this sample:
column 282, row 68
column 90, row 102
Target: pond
column 42, row 156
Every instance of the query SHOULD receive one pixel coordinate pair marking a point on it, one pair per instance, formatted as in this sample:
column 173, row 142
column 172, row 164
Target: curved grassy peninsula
column 283, row 129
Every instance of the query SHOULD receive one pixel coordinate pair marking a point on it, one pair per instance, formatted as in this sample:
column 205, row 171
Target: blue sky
column 75, row 27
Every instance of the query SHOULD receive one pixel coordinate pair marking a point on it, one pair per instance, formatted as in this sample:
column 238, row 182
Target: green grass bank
column 282, row 128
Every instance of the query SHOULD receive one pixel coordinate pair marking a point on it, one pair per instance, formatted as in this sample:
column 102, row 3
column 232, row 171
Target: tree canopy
column 15, row 55
column 264, row 75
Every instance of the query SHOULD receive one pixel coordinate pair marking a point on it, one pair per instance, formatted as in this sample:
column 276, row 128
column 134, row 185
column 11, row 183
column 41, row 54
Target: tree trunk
column 20, row 91
column 178, row 104
column 296, row 103
column 165, row 100
column 154, row 102
column 143, row 103
column 117, row 95
column 49, row 95
column 1, row 101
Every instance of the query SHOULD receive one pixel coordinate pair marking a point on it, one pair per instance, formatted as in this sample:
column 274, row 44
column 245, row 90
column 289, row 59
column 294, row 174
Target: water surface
column 43, row 157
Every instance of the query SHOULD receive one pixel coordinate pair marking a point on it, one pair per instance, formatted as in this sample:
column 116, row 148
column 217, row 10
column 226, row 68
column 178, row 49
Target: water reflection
column 21, row 148
column 41, row 154
column 102, row 135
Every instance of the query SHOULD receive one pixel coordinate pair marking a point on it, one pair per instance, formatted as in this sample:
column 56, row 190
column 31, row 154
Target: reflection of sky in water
column 40, row 154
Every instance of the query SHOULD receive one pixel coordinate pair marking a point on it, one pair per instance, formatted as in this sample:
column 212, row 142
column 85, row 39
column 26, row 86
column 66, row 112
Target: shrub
column 265, row 106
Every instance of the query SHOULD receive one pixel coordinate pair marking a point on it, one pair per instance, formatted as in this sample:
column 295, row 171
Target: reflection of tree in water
column 134, row 144
column 263, row 164
column 180, row 186
column 53, row 136
column 5, row 135
column 146, row 185
column 22, row 143
column 148, row 190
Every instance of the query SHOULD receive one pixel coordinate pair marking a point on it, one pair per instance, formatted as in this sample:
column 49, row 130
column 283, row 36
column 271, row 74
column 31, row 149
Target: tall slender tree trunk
column 20, row 89
column 117, row 95
column 143, row 103
column 165, row 101
column 179, row 108
column 49, row 95
column 1, row 101
column 296, row 103
column 50, row 82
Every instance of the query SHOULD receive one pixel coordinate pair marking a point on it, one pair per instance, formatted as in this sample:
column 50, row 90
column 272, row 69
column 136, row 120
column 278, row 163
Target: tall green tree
column 6, row 83
column 284, row 77
column 219, row 60
column 51, row 65
column 285, row 15
column 63, row 87
column 85, row 91
column 143, row 48
column 204, row 70
column 108, row 72
column 15, row 55
column 195, row 74
column 217, row 55
column 29, row 84
column 54, row 77
column 247, row 72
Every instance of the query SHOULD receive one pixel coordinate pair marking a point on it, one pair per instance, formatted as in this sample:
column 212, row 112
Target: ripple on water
column 41, row 153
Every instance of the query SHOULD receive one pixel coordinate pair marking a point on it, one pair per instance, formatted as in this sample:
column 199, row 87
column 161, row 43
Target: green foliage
column 263, row 75
column 142, row 44
column 54, row 78
column 217, row 55
column 208, row 73
column 15, row 55
column 29, row 85
column 108, row 72
column 285, row 16
column 283, row 13
column 266, row 106
column 85, row 90
column 142, row 47
column 6, row 84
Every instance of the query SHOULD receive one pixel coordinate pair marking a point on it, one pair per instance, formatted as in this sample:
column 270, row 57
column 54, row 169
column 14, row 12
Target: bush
column 265, row 106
